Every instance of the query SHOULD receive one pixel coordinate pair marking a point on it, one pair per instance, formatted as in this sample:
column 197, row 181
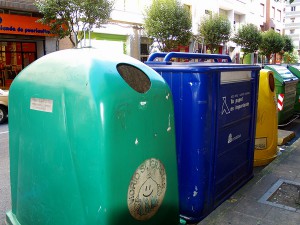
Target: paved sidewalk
column 244, row 208
column 5, row 202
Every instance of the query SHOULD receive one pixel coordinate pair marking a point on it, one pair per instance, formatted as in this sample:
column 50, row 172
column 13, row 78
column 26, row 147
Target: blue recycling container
column 215, row 117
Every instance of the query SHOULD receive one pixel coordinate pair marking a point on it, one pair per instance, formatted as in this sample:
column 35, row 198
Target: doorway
column 15, row 56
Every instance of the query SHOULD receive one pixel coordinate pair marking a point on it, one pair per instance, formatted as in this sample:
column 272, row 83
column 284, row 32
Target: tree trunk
column 72, row 41
column 243, row 58
column 268, row 58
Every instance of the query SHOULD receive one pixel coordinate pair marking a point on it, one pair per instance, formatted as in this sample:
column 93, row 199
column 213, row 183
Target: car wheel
column 3, row 114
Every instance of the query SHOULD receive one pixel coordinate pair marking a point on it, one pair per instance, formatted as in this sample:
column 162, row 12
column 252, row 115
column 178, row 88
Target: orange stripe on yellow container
column 22, row 25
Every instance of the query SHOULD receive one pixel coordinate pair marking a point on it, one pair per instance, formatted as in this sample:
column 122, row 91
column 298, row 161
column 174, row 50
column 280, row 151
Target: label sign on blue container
column 235, row 98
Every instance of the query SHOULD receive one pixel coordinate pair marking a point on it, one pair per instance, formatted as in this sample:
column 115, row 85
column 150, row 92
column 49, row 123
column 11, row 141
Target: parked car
column 3, row 106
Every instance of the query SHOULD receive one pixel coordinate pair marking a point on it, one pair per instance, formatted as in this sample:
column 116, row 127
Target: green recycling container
column 295, row 69
column 91, row 142
column 285, row 86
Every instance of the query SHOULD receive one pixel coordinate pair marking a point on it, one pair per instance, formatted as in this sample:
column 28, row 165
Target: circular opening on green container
column 271, row 82
column 134, row 77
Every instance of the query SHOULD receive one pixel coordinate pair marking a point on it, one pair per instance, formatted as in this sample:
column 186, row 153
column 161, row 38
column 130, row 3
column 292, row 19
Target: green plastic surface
column 86, row 148
column 285, row 83
column 295, row 69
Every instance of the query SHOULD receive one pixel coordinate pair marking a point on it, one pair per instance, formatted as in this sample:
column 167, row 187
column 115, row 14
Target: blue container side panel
column 192, row 95
column 232, row 160
column 233, row 164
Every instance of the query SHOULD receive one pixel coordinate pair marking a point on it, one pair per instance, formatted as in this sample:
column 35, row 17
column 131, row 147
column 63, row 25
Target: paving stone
column 251, row 206
column 262, row 185
column 282, row 216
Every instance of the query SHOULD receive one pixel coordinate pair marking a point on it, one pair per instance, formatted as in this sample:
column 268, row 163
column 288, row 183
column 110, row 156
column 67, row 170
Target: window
column 223, row 12
column 273, row 13
column 208, row 12
column 293, row 8
column 144, row 49
column 262, row 10
column 14, row 56
column 292, row 31
column 293, row 20
column 188, row 7
column 278, row 15
column 20, row 13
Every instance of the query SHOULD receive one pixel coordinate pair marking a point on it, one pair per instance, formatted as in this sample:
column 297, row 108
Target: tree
column 215, row 29
column 290, row 57
column 272, row 42
column 249, row 38
column 70, row 18
column 169, row 23
column 288, row 44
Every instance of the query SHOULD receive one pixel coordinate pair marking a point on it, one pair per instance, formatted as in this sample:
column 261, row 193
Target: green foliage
column 248, row 37
column 290, row 57
column 288, row 44
column 272, row 42
column 169, row 23
column 215, row 29
column 67, row 17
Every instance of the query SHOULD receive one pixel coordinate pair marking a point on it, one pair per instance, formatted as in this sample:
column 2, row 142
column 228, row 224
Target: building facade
column 127, row 22
column 265, row 14
column 292, row 23
column 22, row 40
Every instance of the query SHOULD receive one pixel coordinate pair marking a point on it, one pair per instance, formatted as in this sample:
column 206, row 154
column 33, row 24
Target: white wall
column 292, row 22
column 50, row 45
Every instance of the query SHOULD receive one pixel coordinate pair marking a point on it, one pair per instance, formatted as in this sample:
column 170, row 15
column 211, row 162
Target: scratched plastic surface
column 295, row 69
column 86, row 148
column 215, row 117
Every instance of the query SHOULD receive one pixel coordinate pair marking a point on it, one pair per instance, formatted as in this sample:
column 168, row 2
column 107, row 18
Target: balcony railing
column 292, row 25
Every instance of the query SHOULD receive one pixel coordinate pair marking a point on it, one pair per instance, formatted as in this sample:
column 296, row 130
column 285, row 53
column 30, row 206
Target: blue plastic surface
column 184, row 55
column 215, row 117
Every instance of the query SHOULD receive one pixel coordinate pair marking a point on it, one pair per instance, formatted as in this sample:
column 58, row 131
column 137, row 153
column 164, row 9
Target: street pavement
column 243, row 208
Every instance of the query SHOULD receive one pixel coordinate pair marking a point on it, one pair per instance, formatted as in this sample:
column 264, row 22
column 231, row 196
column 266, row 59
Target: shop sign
column 22, row 25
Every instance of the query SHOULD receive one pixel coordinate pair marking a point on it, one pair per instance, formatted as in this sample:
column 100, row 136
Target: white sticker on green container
column 41, row 104
column 147, row 189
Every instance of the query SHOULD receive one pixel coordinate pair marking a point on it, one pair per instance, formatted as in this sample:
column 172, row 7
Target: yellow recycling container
column 266, row 124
